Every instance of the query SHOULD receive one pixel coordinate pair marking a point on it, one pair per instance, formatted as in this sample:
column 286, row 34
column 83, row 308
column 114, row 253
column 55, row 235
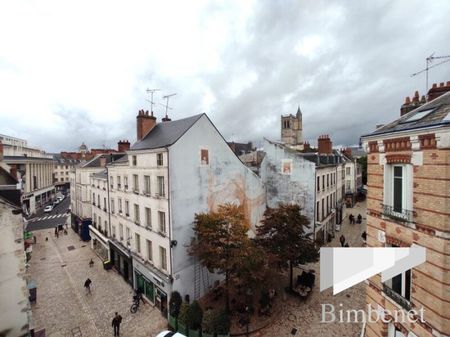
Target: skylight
column 417, row 116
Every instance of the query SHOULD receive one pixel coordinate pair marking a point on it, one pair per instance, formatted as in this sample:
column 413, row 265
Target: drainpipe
column 315, row 203
column 109, row 201
column 170, row 225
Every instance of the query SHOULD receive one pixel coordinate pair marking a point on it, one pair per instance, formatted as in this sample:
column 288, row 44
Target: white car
column 168, row 333
column 48, row 209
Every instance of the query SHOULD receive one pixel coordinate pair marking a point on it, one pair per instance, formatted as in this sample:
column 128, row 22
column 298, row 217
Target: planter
column 204, row 334
column 173, row 322
column 194, row 333
column 183, row 329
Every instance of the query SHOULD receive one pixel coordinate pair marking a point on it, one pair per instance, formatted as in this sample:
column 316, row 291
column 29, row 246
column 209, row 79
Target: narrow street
column 305, row 315
column 60, row 266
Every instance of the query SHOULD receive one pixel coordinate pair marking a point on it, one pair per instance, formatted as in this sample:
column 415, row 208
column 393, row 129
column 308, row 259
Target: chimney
column 437, row 91
column 406, row 107
column 144, row 123
column 166, row 119
column 1, row 150
column 123, row 145
column 103, row 161
column 347, row 152
column 306, row 146
column 324, row 145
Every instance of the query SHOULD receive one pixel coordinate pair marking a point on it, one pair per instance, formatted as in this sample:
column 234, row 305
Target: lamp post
column 247, row 321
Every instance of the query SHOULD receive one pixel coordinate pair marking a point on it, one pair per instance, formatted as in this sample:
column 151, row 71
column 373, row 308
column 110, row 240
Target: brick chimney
column 306, row 146
column 437, row 91
column 123, row 145
column 144, row 123
column 1, row 150
column 411, row 104
column 325, row 146
column 347, row 152
column 406, row 107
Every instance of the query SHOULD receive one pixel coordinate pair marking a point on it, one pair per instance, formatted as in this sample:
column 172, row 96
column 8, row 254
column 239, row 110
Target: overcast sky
column 73, row 71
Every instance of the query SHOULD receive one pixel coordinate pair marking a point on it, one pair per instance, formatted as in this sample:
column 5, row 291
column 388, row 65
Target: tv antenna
column 167, row 101
column 429, row 60
column 151, row 92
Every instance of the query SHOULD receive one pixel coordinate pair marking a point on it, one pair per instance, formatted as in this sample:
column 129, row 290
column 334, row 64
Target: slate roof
column 95, row 162
column 66, row 161
column 166, row 133
column 100, row 175
column 437, row 117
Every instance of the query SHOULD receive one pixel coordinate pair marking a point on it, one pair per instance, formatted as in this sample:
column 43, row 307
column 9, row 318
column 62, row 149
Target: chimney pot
column 416, row 94
column 144, row 123
column 434, row 85
column 441, row 84
column 407, row 100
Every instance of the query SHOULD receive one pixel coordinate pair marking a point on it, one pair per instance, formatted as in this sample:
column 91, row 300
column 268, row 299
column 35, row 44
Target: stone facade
column 292, row 129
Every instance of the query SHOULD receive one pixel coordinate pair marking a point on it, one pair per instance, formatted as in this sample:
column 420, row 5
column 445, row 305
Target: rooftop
column 165, row 133
column 434, row 113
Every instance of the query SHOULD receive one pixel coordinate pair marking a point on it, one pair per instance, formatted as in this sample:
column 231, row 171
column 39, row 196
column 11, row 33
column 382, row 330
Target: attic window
column 418, row 115
column 204, row 157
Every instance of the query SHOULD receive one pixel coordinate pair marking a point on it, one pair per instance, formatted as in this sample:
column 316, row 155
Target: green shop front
column 153, row 284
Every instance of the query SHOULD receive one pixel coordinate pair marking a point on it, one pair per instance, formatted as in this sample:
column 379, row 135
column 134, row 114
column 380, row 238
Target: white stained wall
column 326, row 195
column 100, row 209
column 82, row 196
column 149, row 234
column 298, row 187
column 198, row 185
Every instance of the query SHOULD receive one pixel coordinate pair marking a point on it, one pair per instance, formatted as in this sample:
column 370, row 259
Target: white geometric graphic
column 342, row 268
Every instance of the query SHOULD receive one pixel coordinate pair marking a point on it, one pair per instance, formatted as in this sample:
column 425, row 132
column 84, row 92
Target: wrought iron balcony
column 403, row 215
column 399, row 299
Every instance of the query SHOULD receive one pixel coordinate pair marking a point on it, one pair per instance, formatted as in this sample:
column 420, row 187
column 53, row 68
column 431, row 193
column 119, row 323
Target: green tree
column 175, row 303
column 282, row 235
column 363, row 162
column 183, row 316
column 195, row 315
column 220, row 241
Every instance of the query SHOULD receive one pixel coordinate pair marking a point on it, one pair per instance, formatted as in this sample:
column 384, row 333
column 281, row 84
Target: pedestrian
column 359, row 218
column 91, row 263
column 342, row 240
column 56, row 231
column 87, row 286
column 116, row 324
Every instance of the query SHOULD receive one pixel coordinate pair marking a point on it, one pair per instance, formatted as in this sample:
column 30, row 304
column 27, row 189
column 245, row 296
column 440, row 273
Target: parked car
column 168, row 333
column 48, row 209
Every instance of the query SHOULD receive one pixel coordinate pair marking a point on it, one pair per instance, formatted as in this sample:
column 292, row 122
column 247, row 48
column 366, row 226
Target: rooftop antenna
column 167, row 101
column 151, row 92
column 429, row 60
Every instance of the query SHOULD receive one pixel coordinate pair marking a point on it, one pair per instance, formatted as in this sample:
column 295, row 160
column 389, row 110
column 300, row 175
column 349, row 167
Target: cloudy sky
column 73, row 71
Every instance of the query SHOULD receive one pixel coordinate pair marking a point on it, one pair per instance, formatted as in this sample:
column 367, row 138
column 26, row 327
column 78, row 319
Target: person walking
column 342, row 240
column 116, row 324
column 91, row 263
column 87, row 286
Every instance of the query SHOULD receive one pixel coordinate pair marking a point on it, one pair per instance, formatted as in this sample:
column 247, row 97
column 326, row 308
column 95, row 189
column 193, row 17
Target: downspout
column 315, row 203
column 109, row 201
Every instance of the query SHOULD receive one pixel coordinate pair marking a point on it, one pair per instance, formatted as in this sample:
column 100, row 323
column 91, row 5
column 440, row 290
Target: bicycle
column 136, row 302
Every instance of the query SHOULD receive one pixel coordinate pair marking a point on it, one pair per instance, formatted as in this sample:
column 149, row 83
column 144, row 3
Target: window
column 119, row 204
column 323, row 183
column 104, row 204
column 134, row 160
column 399, row 288
column 113, row 228
column 137, row 242
column 125, row 182
column 121, row 231
column 161, row 189
column 398, row 189
column 347, row 185
column 204, row 157
column 112, row 206
column 136, row 214
column 98, row 199
column 159, row 159
column 317, row 210
column 118, row 182
column 328, row 180
column 148, row 217
column 128, row 237
column 99, row 222
column 328, row 205
column 127, row 208
column 323, row 209
column 163, row 258
column 347, row 171
column 95, row 219
column 147, row 185
column 135, row 183
column 93, row 199
column 162, row 222
column 149, row 250
column 318, row 183
column 106, row 228
column 111, row 181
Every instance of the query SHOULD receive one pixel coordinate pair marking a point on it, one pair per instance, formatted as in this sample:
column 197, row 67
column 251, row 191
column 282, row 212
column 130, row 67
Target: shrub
column 195, row 315
column 209, row 321
column 223, row 323
column 175, row 304
column 184, row 313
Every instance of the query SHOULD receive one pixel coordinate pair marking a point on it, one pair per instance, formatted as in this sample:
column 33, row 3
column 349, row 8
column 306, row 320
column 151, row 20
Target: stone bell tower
column 292, row 129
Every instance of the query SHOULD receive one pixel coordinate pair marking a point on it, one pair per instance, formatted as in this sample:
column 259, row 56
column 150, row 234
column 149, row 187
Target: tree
column 215, row 321
column 283, row 235
column 220, row 241
column 183, row 316
column 195, row 315
column 175, row 303
column 363, row 162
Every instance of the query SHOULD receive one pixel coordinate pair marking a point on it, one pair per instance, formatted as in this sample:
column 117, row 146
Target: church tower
column 292, row 129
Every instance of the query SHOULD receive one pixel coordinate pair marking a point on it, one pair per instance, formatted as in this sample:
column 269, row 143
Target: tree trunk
column 291, row 274
column 227, row 293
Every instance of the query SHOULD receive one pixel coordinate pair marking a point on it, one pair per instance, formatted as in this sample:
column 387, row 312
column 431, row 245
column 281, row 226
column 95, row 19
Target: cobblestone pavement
column 305, row 315
column 64, row 309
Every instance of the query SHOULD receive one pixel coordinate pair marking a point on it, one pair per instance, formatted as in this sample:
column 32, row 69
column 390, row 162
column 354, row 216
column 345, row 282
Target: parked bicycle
column 136, row 303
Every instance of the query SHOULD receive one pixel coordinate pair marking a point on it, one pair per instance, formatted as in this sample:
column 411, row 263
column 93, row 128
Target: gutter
column 169, row 220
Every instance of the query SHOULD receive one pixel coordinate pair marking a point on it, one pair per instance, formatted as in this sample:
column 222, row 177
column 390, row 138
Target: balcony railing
column 399, row 299
column 403, row 215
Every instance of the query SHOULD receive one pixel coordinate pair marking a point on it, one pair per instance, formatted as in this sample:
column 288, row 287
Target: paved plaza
column 305, row 315
column 60, row 267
